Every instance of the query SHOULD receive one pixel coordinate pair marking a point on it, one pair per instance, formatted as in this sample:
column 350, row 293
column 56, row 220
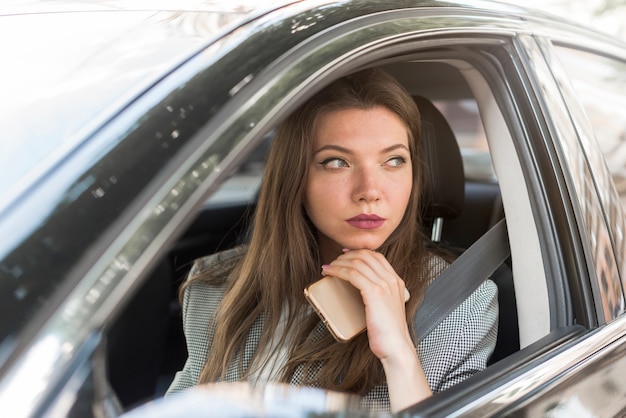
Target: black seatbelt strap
column 462, row 278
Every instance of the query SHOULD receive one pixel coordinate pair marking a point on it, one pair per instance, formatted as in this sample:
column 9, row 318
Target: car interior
column 146, row 345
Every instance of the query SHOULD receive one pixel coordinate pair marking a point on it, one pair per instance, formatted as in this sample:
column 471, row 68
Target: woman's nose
column 367, row 185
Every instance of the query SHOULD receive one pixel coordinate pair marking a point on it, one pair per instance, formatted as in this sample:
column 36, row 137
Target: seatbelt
column 457, row 282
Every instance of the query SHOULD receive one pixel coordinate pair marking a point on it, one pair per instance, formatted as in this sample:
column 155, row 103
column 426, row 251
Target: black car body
column 120, row 122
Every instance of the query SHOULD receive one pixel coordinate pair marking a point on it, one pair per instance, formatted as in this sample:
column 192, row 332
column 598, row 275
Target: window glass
column 464, row 119
column 243, row 185
column 600, row 84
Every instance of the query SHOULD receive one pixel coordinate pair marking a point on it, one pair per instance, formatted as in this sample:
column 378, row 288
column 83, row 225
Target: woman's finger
column 369, row 272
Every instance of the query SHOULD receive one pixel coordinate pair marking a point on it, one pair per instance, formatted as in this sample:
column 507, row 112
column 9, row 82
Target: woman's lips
column 365, row 221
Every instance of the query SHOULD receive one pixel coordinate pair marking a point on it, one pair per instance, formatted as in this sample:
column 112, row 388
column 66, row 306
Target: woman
column 341, row 196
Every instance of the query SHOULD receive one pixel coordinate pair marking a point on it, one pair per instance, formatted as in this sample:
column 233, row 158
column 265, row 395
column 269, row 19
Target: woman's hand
column 383, row 293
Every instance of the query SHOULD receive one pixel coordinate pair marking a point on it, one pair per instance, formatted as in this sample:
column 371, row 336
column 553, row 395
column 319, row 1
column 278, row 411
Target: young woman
column 340, row 197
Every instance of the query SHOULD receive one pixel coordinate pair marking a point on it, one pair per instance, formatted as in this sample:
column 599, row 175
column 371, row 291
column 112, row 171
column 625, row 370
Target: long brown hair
column 282, row 257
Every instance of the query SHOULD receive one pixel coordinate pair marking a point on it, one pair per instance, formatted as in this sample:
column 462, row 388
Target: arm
column 406, row 381
column 461, row 345
column 383, row 293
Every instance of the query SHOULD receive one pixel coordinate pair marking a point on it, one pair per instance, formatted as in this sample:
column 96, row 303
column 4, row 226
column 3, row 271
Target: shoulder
column 219, row 264
column 434, row 265
column 206, row 282
column 202, row 295
column 462, row 343
column 482, row 298
column 480, row 308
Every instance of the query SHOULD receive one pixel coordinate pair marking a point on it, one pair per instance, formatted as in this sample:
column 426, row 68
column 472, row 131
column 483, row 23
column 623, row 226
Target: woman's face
column 359, row 179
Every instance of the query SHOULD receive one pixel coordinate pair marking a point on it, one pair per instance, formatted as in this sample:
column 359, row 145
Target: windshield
column 62, row 86
column 71, row 72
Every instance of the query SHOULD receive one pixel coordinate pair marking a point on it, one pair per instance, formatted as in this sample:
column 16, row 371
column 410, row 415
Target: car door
column 492, row 54
column 589, row 71
column 502, row 64
column 542, row 223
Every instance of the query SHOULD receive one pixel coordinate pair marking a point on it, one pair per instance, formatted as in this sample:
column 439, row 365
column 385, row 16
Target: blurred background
column 607, row 16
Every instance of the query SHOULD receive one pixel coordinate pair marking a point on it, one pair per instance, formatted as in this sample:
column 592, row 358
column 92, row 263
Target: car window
column 601, row 86
column 243, row 185
column 464, row 119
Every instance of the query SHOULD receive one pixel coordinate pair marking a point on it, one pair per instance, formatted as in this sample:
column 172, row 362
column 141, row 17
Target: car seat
column 444, row 201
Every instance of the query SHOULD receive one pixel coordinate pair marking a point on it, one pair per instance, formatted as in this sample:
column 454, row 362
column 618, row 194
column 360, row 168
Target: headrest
column 444, row 193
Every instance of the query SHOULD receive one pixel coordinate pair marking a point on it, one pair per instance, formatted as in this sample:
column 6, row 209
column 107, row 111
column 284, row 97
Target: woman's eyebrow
column 333, row 148
column 347, row 151
column 395, row 147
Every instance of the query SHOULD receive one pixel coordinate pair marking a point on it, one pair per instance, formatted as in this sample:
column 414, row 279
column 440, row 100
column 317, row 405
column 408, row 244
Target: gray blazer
column 455, row 350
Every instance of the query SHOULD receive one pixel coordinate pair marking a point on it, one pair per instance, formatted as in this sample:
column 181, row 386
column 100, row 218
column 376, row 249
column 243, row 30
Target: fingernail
column 345, row 250
column 407, row 295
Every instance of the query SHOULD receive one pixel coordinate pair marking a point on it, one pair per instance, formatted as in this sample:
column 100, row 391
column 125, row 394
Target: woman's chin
column 363, row 245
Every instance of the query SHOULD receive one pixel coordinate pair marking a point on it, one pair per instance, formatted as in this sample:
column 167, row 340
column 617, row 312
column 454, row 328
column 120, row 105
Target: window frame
column 597, row 194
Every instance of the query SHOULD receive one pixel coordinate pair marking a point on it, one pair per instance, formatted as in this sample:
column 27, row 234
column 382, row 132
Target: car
column 134, row 137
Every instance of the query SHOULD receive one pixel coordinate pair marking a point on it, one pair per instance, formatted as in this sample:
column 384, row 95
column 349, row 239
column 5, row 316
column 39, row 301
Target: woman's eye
column 334, row 163
column 396, row 161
